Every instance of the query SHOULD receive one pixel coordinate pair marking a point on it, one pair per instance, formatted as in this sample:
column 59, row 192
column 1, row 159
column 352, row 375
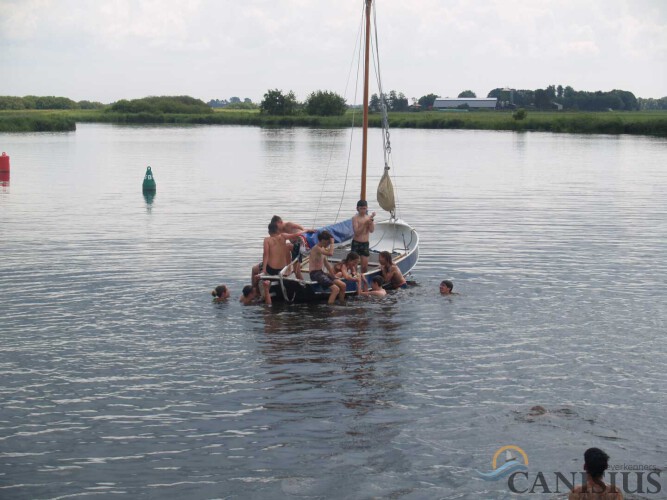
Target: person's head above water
column 273, row 228
column 446, row 287
column 596, row 462
column 376, row 282
column 220, row 292
column 247, row 290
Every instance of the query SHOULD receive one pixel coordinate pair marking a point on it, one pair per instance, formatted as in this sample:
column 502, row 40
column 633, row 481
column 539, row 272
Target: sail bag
column 386, row 192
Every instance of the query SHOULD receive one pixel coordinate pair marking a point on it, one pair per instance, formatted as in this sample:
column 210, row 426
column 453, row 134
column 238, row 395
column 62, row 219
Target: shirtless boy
column 318, row 261
column 292, row 231
column 363, row 225
column 276, row 255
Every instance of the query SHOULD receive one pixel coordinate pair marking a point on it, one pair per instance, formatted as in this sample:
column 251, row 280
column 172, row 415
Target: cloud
column 252, row 45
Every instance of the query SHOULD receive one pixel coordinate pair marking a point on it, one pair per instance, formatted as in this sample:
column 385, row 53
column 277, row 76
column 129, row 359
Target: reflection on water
column 119, row 376
column 4, row 181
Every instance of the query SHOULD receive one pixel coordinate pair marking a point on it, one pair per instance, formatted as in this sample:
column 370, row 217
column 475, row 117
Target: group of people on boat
column 286, row 245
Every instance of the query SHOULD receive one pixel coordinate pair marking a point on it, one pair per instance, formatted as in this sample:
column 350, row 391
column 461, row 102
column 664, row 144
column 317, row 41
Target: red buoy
column 4, row 162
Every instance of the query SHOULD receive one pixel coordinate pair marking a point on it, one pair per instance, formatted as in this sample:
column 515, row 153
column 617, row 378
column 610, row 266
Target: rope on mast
column 386, row 140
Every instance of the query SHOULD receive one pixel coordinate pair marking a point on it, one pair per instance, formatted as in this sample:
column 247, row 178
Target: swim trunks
column 361, row 248
column 322, row 278
column 272, row 271
column 296, row 251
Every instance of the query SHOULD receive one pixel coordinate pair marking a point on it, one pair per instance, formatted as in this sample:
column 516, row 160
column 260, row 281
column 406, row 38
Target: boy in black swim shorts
column 318, row 260
column 363, row 225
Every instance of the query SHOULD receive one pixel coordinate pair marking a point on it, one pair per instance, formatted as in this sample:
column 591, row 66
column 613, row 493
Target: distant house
column 470, row 102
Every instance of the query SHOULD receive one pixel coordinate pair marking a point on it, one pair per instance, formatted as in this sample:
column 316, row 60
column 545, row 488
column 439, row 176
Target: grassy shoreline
column 652, row 123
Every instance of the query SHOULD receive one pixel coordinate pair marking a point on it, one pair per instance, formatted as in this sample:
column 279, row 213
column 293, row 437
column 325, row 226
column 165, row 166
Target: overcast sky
column 113, row 49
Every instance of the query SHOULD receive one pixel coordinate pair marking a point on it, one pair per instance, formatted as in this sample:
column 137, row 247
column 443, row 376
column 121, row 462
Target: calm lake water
column 118, row 376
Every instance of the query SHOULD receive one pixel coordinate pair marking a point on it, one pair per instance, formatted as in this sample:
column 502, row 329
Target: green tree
column 427, row 101
column 90, row 105
column 397, row 101
column 542, row 100
column 467, row 93
column 559, row 91
column 551, row 92
column 277, row 103
column 11, row 102
column 375, row 104
column 325, row 103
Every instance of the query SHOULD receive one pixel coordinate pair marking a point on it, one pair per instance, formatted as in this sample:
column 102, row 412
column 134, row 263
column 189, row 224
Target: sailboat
column 392, row 235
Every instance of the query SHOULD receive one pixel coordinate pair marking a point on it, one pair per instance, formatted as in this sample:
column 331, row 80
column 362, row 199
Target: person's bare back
column 275, row 251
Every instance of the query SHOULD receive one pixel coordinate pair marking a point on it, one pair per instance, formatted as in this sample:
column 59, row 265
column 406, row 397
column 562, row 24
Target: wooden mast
column 364, row 147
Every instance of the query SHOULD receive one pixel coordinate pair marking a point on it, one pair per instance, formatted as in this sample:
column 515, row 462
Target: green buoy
column 149, row 182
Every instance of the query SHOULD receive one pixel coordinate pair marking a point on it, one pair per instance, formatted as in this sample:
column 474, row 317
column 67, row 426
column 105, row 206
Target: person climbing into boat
column 376, row 287
column 446, row 287
column 318, row 261
column 250, row 295
column 289, row 227
column 276, row 254
column 596, row 462
column 347, row 268
column 293, row 233
column 363, row 225
column 391, row 274
column 220, row 293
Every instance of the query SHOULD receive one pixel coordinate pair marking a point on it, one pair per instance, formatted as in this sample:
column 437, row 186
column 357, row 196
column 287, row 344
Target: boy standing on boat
column 276, row 254
column 292, row 232
column 363, row 225
column 318, row 260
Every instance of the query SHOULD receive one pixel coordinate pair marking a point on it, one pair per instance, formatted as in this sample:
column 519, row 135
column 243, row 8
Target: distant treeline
column 652, row 104
column 559, row 97
column 233, row 103
column 45, row 102
column 327, row 109
column 182, row 104
column 553, row 98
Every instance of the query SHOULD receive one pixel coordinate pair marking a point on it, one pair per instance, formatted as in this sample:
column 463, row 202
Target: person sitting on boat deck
column 595, row 463
column 363, row 225
column 251, row 295
column 446, row 287
column 276, row 254
column 376, row 287
column 347, row 268
column 318, row 261
column 220, row 294
column 391, row 274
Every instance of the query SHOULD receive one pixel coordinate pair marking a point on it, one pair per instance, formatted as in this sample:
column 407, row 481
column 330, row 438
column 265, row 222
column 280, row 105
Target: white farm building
column 471, row 102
